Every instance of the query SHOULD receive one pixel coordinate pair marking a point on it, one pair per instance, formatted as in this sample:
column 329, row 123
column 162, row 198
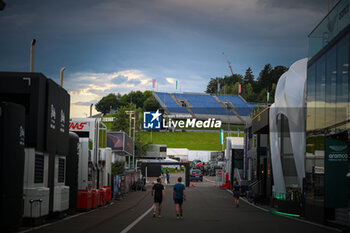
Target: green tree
column 212, row 86
column 141, row 144
column 121, row 123
column 272, row 93
column 134, row 97
column 277, row 72
column 252, row 90
column 151, row 104
column 141, row 141
column 262, row 97
column 235, row 89
column 264, row 80
column 147, row 94
column 249, row 77
column 121, row 120
column 107, row 103
column 248, row 93
column 232, row 80
column 118, row 168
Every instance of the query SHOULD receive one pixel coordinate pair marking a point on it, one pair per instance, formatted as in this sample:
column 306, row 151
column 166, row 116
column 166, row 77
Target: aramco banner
column 336, row 169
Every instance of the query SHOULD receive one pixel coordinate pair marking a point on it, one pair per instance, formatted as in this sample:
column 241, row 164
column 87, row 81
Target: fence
column 126, row 183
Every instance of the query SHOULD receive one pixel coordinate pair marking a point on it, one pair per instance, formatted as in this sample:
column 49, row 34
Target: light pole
column 133, row 149
column 61, row 76
column 91, row 109
column 32, row 55
column 130, row 113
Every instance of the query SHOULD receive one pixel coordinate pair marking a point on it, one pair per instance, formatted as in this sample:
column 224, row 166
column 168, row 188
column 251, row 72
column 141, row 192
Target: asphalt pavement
column 207, row 209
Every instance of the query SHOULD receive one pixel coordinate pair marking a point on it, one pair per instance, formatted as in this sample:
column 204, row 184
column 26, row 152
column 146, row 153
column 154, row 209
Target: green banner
column 336, row 168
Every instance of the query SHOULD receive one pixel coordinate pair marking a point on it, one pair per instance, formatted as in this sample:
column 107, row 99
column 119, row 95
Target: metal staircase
column 176, row 101
column 183, row 103
column 230, row 106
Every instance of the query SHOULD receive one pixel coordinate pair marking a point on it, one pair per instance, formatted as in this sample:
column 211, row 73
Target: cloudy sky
column 121, row 45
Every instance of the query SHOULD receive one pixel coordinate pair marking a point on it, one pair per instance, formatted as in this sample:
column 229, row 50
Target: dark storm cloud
column 163, row 38
column 119, row 79
column 134, row 81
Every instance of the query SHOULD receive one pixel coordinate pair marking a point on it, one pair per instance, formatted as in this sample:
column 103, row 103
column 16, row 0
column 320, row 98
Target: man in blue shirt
column 167, row 177
column 179, row 195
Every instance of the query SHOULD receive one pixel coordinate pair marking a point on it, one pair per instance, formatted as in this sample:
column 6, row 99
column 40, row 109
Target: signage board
column 336, row 169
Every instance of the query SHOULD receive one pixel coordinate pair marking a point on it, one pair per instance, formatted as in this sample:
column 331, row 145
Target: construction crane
column 228, row 62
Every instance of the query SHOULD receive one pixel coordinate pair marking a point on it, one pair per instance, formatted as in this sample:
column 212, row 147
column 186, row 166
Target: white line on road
column 209, row 180
column 266, row 210
column 126, row 229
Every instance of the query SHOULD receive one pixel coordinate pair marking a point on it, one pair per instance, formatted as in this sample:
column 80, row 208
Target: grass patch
column 173, row 170
column 189, row 140
column 229, row 127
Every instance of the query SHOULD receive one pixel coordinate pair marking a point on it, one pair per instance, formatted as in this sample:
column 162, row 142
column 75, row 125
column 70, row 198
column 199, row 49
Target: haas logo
column 53, row 117
column 76, row 125
column 53, row 112
column 63, row 117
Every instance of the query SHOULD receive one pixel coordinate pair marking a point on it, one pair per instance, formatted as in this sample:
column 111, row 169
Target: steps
column 187, row 104
column 231, row 108
column 190, row 111
column 176, row 101
column 217, row 99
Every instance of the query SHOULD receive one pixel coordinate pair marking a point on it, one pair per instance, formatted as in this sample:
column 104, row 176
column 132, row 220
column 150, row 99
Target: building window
column 331, row 83
column 327, row 112
column 342, row 81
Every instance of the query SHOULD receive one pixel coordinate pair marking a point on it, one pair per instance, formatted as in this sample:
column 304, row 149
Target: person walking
column 179, row 195
column 168, row 177
column 236, row 192
column 158, row 193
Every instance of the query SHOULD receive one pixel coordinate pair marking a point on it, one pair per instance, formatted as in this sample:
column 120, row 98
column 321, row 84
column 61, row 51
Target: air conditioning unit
column 61, row 192
column 35, row 192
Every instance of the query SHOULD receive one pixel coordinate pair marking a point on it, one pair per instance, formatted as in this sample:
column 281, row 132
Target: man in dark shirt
column 236, row 192
column 158, row 193
column 179, row 195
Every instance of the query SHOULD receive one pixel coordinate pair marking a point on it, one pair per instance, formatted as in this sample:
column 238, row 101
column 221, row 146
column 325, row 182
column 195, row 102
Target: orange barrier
column 227, row 182
column 102, row 199
column 95, row 194
column 84, row 199
column 108, row 193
